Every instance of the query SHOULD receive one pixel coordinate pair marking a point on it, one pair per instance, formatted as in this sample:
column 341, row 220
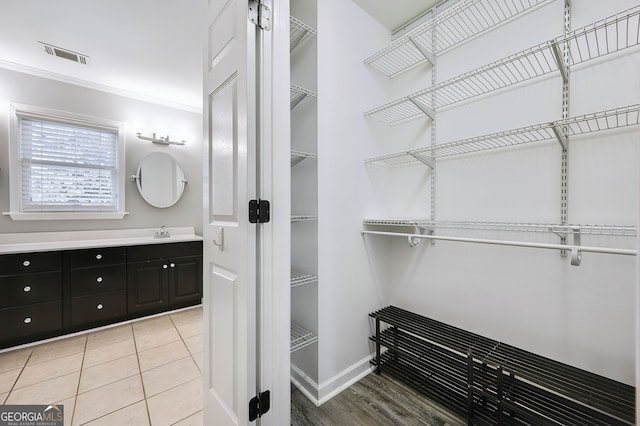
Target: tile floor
column 147, row 372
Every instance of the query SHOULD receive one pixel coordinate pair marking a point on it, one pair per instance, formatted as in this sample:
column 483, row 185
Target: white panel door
column 229, row 302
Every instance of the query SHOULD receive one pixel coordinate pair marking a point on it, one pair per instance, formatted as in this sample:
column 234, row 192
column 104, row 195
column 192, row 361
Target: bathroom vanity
column 56, row 283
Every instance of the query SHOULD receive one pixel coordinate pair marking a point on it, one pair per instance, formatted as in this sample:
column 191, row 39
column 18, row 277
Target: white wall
column 530, row 298
column 350, row 284
column 179, row 124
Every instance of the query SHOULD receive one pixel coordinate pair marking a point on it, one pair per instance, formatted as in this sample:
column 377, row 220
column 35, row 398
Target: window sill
column 66, row 215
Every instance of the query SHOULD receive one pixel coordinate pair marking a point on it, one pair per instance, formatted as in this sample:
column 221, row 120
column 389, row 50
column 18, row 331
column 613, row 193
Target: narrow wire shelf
column 455, row 25
column 298, row 156
column 604, row 37
column 608, row 230
column 298, row 94
column 298, row 32
column 301, row 337
column 303, row 218
column 556, row 130
column 299, row 277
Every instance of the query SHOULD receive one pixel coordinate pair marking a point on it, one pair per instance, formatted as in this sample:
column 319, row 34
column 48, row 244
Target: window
column 65, row 166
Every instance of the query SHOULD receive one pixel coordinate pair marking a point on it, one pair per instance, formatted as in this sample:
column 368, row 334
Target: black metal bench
column 490, row 382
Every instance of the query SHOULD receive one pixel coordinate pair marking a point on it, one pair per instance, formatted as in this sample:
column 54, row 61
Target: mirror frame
column 180, row 178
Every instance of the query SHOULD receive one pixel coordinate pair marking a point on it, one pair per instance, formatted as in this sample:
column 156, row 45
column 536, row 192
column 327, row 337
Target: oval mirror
column 160, row 179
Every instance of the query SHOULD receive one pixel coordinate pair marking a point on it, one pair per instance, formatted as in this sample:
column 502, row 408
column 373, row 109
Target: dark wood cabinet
column 47, row 294
column 164, row 276
column 30, row 295
column 98, row 282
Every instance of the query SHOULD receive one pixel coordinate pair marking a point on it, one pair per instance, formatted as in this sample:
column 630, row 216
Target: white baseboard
column 319, row 394
column 305, row 384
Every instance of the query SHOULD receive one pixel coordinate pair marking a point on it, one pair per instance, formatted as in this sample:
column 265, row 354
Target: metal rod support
column 604, row 250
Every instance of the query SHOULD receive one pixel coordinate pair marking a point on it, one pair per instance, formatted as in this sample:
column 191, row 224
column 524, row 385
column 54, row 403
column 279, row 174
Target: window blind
column 67, row 167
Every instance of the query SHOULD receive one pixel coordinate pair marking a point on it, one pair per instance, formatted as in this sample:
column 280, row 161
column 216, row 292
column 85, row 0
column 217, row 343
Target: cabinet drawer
column 30, row 320
column 98, row 280
column 98, row 307
column 164, row 251
column 97, row 257
column 22, row 263
column 30, row 288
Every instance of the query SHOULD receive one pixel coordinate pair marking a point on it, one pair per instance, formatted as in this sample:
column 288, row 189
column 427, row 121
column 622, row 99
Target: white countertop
column 48, row 241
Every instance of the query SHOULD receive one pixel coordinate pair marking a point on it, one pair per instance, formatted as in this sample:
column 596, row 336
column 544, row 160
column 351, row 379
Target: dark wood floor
column 374, row 400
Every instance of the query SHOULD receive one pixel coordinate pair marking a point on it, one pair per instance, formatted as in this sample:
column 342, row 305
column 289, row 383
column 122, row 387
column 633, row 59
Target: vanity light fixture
column 162, row 140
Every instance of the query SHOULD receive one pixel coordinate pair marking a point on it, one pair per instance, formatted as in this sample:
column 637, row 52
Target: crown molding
column 96, row 86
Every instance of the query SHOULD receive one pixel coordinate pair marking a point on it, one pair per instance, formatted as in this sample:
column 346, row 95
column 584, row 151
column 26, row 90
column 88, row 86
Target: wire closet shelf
column 298, row 156
column 298, row 33
column 557, row 130
column 299, row 94
column 454, row 25
column 299, row 277
column 301, row 337
column 607, row 230
column 607, row 36
column 414, row 238
column 303, row 218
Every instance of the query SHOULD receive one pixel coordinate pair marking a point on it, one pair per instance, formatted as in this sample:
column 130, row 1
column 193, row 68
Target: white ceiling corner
column 147, row 49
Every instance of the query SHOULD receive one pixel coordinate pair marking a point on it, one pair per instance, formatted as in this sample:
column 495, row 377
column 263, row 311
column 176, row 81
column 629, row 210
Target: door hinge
column 259, row 211
column 260, row 14
column 259, row 405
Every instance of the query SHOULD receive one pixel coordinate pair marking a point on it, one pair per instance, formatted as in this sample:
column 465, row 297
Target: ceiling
column 147, row 49
column 393, row 14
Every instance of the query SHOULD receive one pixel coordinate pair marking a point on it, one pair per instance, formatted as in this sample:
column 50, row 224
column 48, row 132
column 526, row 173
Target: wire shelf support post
column 563, row 66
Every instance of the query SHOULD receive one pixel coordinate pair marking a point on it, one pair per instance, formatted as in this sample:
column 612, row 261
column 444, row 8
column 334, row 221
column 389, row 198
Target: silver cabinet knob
column 100, row 306
column 26, row 263
column 27, row 289
column 99, row 279
column 98, row 256
column 27, row 320
column 173, row 265
column 164, row 266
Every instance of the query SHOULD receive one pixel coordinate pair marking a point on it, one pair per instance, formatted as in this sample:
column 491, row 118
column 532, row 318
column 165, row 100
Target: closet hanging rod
column 604, row 250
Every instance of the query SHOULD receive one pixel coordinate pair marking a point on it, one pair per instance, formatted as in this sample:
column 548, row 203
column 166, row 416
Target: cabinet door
column 185, row 281
column 147, row 286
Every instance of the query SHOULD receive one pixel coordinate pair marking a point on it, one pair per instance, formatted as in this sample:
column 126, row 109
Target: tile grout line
column 193, row 360
column 75, row 397
column 15, row 382
column 84, row 358
column 144, row 390
column 107, row 384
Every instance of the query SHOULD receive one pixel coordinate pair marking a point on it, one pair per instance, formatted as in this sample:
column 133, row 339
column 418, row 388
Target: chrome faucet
column 162, row 233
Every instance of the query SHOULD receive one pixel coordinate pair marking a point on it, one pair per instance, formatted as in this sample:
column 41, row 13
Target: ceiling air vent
column 65, row 54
